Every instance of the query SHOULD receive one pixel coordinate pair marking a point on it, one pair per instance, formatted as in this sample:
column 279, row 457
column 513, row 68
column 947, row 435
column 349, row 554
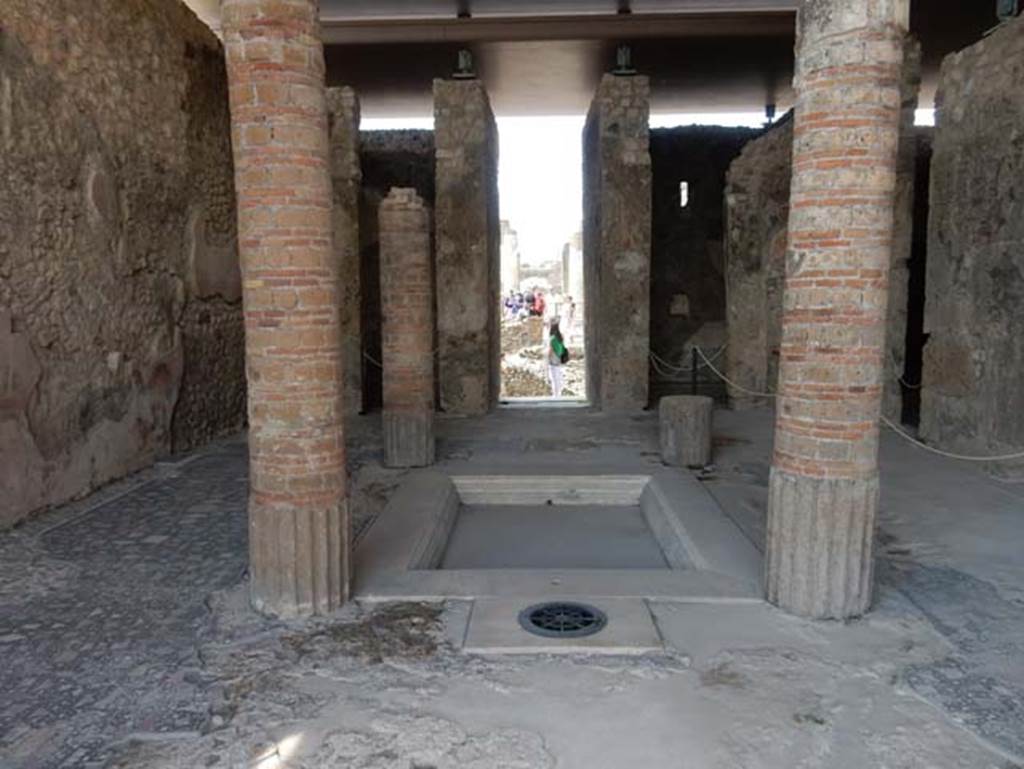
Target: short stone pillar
column 346, row 181
column 407, row 307
column 468, row 239
column 299, row 526
column 823, row 491
column 685, row 428
column 617, row 243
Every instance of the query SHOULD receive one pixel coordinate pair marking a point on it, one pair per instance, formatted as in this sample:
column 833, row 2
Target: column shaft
column 824, row 481
column 617, row 243
column 407, row 306
column 298, row 518
column 468, row 247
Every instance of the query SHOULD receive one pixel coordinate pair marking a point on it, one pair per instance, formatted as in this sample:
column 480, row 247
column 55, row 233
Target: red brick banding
column 298, row 515
column 407, row 307
column 824, row 487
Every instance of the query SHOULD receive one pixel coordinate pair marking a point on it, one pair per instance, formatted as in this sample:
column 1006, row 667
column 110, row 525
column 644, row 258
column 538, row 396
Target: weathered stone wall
column 617, row 243
column 388, row 159
column 120, row 322
column 756, row 215
column 468, row 253
column 973, row 398
column 346, row 180
column 687, row 252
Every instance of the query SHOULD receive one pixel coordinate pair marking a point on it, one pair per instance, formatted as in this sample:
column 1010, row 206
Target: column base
column 818, row 545
column 299, row 559
column 408, row 439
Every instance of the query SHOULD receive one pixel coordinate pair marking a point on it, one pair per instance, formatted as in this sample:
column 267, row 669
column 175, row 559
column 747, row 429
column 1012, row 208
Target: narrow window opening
column 684, row 194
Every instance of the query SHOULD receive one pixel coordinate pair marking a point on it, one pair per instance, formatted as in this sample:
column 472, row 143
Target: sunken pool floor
column 552, row 537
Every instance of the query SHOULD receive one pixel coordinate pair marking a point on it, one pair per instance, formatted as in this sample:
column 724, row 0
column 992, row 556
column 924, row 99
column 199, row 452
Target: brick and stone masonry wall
column 617, row 243
column 121, row 332
column 299, row 526
column 407, row 304
column 757, row 215
column 467, row 266
column 973, row 397
column 824, row 488
column 687, row 280
column 346, row 180
column 389, row 159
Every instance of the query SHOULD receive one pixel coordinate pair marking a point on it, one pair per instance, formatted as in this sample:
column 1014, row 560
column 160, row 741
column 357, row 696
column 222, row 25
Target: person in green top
column 558, row 355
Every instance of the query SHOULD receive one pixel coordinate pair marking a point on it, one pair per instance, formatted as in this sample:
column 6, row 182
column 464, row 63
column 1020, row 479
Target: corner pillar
column 299, row 531
column 617, row 243
column 468, row 241
column 824, row 479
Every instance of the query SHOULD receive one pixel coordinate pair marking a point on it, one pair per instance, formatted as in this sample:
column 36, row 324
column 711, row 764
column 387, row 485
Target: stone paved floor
column 126, row 641
column 101, row 604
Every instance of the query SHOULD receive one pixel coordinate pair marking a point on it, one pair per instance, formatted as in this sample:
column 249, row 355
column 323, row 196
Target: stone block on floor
column 685, row 429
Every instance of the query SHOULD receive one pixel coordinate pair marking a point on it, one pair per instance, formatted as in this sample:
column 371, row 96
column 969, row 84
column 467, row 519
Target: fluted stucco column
column 298, row 514
column 824, row 479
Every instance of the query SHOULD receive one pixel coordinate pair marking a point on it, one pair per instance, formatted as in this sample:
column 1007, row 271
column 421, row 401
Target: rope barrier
column 657, row 359
column 907, row 384
column 728, row 381
column 885, row 420
column 666, row 375
column 962, row 457
column 380, row 365
column 888, row 423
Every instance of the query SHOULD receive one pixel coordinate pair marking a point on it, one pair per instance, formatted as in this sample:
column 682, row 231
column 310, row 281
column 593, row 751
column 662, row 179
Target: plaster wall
column 756, row 218
column 974, row 308
column 121, row 332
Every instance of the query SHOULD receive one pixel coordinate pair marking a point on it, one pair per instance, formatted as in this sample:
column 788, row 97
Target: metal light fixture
column 1007, row 9
column 464, row 69
column 624, row 61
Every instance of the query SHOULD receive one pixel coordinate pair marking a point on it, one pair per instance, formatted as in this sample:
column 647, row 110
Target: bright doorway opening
column 540, row 183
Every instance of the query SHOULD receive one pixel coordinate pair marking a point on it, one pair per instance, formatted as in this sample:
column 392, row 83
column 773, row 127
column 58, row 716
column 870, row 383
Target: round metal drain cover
column 562, row 619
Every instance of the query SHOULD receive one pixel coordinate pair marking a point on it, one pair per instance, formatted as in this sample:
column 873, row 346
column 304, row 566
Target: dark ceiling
column 545, row 56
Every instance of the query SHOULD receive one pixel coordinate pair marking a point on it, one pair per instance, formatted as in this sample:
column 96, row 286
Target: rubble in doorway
column 524, row 362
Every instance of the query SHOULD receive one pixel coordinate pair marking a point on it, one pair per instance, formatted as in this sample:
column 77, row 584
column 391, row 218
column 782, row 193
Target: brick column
column 617, row 243
column 298, row 513
column 468, row 247
column 824, row 479
column 407, row 307
column 347, row 181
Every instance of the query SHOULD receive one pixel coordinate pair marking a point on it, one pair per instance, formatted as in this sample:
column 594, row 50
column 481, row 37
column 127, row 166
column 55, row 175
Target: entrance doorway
column 541, row 200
